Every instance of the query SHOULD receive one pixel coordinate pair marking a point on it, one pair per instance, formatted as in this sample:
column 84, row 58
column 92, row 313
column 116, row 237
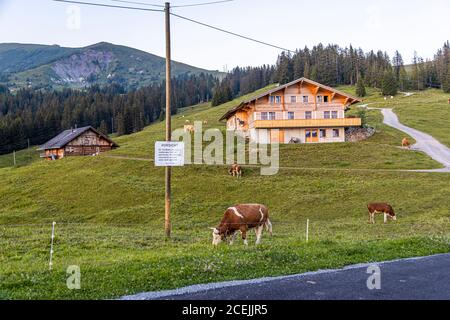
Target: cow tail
column 268, row 225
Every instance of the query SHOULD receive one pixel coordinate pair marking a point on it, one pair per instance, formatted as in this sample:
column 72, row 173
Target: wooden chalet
column 77, row 142
column 302, row 111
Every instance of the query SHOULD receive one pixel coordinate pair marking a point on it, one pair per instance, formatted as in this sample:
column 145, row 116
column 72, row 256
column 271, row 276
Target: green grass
column 110, row 215
column 23, row 157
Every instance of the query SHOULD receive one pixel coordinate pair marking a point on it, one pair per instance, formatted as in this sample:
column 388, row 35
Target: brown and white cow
column 235, row 170
column 384, row 208
column 242, row 217
column 189, row 128
column 405, row 143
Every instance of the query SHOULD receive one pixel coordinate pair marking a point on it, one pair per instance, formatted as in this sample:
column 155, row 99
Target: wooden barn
column 77, row 142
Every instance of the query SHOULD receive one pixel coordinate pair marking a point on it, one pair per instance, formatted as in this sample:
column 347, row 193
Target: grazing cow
column 242, row 217
column 294, row 140
column 405, row 143
column 235, row 170
column 384, row 208
column 189, row 128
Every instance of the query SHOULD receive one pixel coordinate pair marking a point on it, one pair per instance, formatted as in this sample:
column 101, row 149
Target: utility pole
column 167, row 225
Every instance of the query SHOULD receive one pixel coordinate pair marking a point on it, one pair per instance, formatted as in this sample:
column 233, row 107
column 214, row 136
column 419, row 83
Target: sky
column 387, row 25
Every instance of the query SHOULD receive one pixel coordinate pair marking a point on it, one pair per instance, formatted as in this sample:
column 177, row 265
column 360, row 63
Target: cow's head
column 217, row 237
column 392, row 216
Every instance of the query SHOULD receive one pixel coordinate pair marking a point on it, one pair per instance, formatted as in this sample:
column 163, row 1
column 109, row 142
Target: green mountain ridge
column 55, row 67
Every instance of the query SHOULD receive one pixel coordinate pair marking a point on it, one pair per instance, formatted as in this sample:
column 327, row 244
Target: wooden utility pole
column 167, row 225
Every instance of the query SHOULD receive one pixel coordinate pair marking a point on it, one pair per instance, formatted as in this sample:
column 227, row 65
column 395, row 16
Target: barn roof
column 68, row 135
column 232, row 111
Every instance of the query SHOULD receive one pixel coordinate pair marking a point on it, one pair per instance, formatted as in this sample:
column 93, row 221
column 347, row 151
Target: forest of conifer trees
column 29, row 116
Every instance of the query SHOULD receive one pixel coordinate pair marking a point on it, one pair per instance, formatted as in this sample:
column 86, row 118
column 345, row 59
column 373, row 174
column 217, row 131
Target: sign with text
column 169, row 153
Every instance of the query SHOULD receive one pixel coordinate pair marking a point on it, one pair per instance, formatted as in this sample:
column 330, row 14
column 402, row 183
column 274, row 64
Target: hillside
column 110, row 213
column 43, row 66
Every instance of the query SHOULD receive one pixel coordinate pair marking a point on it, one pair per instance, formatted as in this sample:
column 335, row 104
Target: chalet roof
column 68, row 135
column 233, row 110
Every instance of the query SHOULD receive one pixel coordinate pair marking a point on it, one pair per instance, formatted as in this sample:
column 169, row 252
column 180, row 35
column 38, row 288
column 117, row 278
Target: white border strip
column 217, row 285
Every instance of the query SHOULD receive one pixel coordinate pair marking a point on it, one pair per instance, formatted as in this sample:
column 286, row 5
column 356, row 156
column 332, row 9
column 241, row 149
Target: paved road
column 413, row 278
column 424, row 142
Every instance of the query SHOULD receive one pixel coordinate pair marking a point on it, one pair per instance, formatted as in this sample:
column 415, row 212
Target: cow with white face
column 242, row 217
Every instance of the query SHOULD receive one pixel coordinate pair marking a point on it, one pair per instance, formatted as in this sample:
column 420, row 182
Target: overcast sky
column 406, row 25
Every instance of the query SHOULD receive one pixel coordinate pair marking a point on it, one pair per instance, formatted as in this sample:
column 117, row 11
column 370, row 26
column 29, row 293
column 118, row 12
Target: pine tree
column 360, row 88
column 390, row 85
column 446, row 84
column 103, row 127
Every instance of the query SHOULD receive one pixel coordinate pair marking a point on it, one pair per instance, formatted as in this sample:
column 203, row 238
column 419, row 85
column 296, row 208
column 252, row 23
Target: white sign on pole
column 169, row 153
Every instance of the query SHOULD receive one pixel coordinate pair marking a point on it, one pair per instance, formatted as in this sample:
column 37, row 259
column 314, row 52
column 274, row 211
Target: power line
column 107, row 5
column 201, row 4
column 232, row 33
column 181, row 17
column 140, row 3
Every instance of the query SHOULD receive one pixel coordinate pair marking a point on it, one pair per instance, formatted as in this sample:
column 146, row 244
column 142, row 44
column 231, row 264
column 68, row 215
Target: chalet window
column 323, row 133
column 271, row 99
column 325, row 99
column 263, row 115
column 335, row 133
column 334, row 114
column 277, row 99
column 271, row 115
column 305, row 99
column 291, row 115
column 319, row 99
column 308, row 114
column 293, row 99
column 326, row 115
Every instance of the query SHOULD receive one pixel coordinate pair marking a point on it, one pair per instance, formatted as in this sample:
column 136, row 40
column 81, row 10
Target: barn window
column 319, row 99
column 335, row 133
column 323, row 133
column 293, row 99
column 325, row 99
column 334, row 114
column 326, row 114
column 271, row 115
column 305, row 99
column 290, row 115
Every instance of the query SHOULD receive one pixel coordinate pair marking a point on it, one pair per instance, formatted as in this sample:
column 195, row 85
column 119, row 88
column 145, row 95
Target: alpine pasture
column 109, row 210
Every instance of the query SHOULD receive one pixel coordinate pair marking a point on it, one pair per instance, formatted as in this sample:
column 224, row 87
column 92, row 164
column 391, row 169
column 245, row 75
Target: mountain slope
column 43, row 66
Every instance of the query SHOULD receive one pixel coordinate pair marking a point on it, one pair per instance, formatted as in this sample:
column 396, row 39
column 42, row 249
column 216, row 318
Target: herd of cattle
column 243, row 217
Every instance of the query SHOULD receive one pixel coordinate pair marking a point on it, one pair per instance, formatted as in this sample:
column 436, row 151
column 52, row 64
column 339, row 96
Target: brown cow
column 242, row 217
column 385, row 208
column 235, row 170
column 189, row 128
column 405, row 143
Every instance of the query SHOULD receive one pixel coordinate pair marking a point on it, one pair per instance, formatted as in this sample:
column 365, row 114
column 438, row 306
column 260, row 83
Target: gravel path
column 424, row 142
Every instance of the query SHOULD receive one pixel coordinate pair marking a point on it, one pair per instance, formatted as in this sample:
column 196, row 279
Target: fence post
column 307, row 230
column 50, row 264
column 14, row 156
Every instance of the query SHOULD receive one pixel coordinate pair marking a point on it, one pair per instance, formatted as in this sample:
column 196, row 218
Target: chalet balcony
column 307, row 123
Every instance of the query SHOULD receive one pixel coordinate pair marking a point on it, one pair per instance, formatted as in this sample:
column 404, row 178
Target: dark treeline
column 38, row 116
column 333, row 66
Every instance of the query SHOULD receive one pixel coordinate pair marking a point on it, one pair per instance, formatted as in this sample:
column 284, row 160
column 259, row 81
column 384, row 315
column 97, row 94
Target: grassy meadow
column 109, row 213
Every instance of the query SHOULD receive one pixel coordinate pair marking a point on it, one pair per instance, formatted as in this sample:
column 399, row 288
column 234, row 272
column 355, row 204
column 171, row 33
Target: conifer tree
column 360, row 88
